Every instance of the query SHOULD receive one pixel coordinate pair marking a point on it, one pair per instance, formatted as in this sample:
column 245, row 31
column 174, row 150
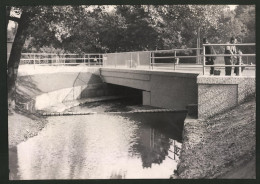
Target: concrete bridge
column 209, row 95
column 166, row 89
column 173, row 90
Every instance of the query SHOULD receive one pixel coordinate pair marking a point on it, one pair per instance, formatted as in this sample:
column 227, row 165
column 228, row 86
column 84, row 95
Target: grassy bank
column 219, row 145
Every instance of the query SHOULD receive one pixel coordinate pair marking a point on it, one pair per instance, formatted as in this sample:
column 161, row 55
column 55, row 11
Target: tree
column 49, row 23
column 15, row 54
column 246, row 15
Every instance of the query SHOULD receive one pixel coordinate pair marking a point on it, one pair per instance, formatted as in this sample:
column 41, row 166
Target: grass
column 215, row 146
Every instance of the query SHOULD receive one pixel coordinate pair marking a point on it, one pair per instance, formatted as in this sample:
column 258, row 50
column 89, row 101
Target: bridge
column 173, row 83
column 159, row 88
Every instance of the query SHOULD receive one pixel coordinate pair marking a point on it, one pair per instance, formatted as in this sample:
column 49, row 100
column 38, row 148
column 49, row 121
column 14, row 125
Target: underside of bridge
column 159, row 89
column 131, row 95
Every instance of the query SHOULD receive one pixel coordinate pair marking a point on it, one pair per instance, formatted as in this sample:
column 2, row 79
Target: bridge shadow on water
column 156, row 132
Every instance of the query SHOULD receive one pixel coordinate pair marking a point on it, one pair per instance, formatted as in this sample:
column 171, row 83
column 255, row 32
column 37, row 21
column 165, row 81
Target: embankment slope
column 220, row 147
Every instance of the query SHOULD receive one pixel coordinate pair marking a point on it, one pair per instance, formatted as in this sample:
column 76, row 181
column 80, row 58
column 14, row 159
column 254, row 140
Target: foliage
column 120, row 28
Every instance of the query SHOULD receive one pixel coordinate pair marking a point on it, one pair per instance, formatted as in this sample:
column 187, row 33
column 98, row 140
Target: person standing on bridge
column 209, row 59
column 229, row 49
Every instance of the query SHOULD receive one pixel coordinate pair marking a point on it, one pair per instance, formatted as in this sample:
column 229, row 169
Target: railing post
column 204, row 59
column 88, row 60
column 34, row 60
column 56, row 59
column 138, row 59
column 98, row 59
column 101, row 59
column 116, row 60
column 131, row 60
column 152, row 59
column 240, row 67
column 84, row 59
column 174, row 64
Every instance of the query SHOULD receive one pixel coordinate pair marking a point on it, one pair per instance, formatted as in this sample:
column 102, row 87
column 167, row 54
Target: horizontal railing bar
column 228, row 55
column 176, row 57
column 179, row 64
column 62, row 64
column 230, row 65
column 72, row 63
column 204, row 55
column 39, row 54
column 172, row 50
column 59, row 54
column 59, row 59
column 212, row 44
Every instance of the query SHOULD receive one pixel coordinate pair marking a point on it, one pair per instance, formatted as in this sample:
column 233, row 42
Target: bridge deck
column 182, row 68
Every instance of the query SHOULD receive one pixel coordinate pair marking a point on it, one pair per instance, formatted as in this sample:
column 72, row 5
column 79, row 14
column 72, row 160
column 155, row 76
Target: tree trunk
column 8, row 9
column 14, row 58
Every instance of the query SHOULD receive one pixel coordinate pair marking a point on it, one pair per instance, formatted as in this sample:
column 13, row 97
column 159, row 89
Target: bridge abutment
column 146, row 98
column 217, row 94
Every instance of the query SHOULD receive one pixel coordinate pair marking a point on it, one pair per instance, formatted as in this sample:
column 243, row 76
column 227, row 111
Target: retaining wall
column 219, row 93
column 47, row 89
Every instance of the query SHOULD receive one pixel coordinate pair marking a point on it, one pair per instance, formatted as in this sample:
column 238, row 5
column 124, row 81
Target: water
column 100, row 146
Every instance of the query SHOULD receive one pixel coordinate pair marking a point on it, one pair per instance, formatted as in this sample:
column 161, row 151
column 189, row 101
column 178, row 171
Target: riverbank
column 23, row 125
column 220, row 147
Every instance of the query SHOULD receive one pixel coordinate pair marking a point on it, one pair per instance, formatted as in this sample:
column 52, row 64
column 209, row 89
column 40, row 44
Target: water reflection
column 98, row 146
column 155, row 136
column 152, row 146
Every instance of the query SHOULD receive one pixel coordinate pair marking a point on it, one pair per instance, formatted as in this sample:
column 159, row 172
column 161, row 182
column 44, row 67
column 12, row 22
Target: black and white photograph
column 142, row 91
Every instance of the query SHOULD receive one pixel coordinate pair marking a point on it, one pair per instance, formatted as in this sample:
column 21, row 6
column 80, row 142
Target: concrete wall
column 174, row 91
column 127, row 60
column 160, row 89
column 219, row 93
column 44, row 90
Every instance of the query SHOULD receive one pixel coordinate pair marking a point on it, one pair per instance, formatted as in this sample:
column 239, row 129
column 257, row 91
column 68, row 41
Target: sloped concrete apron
column 57, row 88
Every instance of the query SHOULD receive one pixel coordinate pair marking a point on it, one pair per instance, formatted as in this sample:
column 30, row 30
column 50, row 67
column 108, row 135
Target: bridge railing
column 238, row 57
column 140, row 59
column 176, row 58
column 92, row 59
column 154, row 59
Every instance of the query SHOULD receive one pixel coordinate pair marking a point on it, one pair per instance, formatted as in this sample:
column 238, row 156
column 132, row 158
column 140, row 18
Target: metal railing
column 151, row 59
column 239, row 65
column 61, row 59
column 181, row 59
column 176, row 58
